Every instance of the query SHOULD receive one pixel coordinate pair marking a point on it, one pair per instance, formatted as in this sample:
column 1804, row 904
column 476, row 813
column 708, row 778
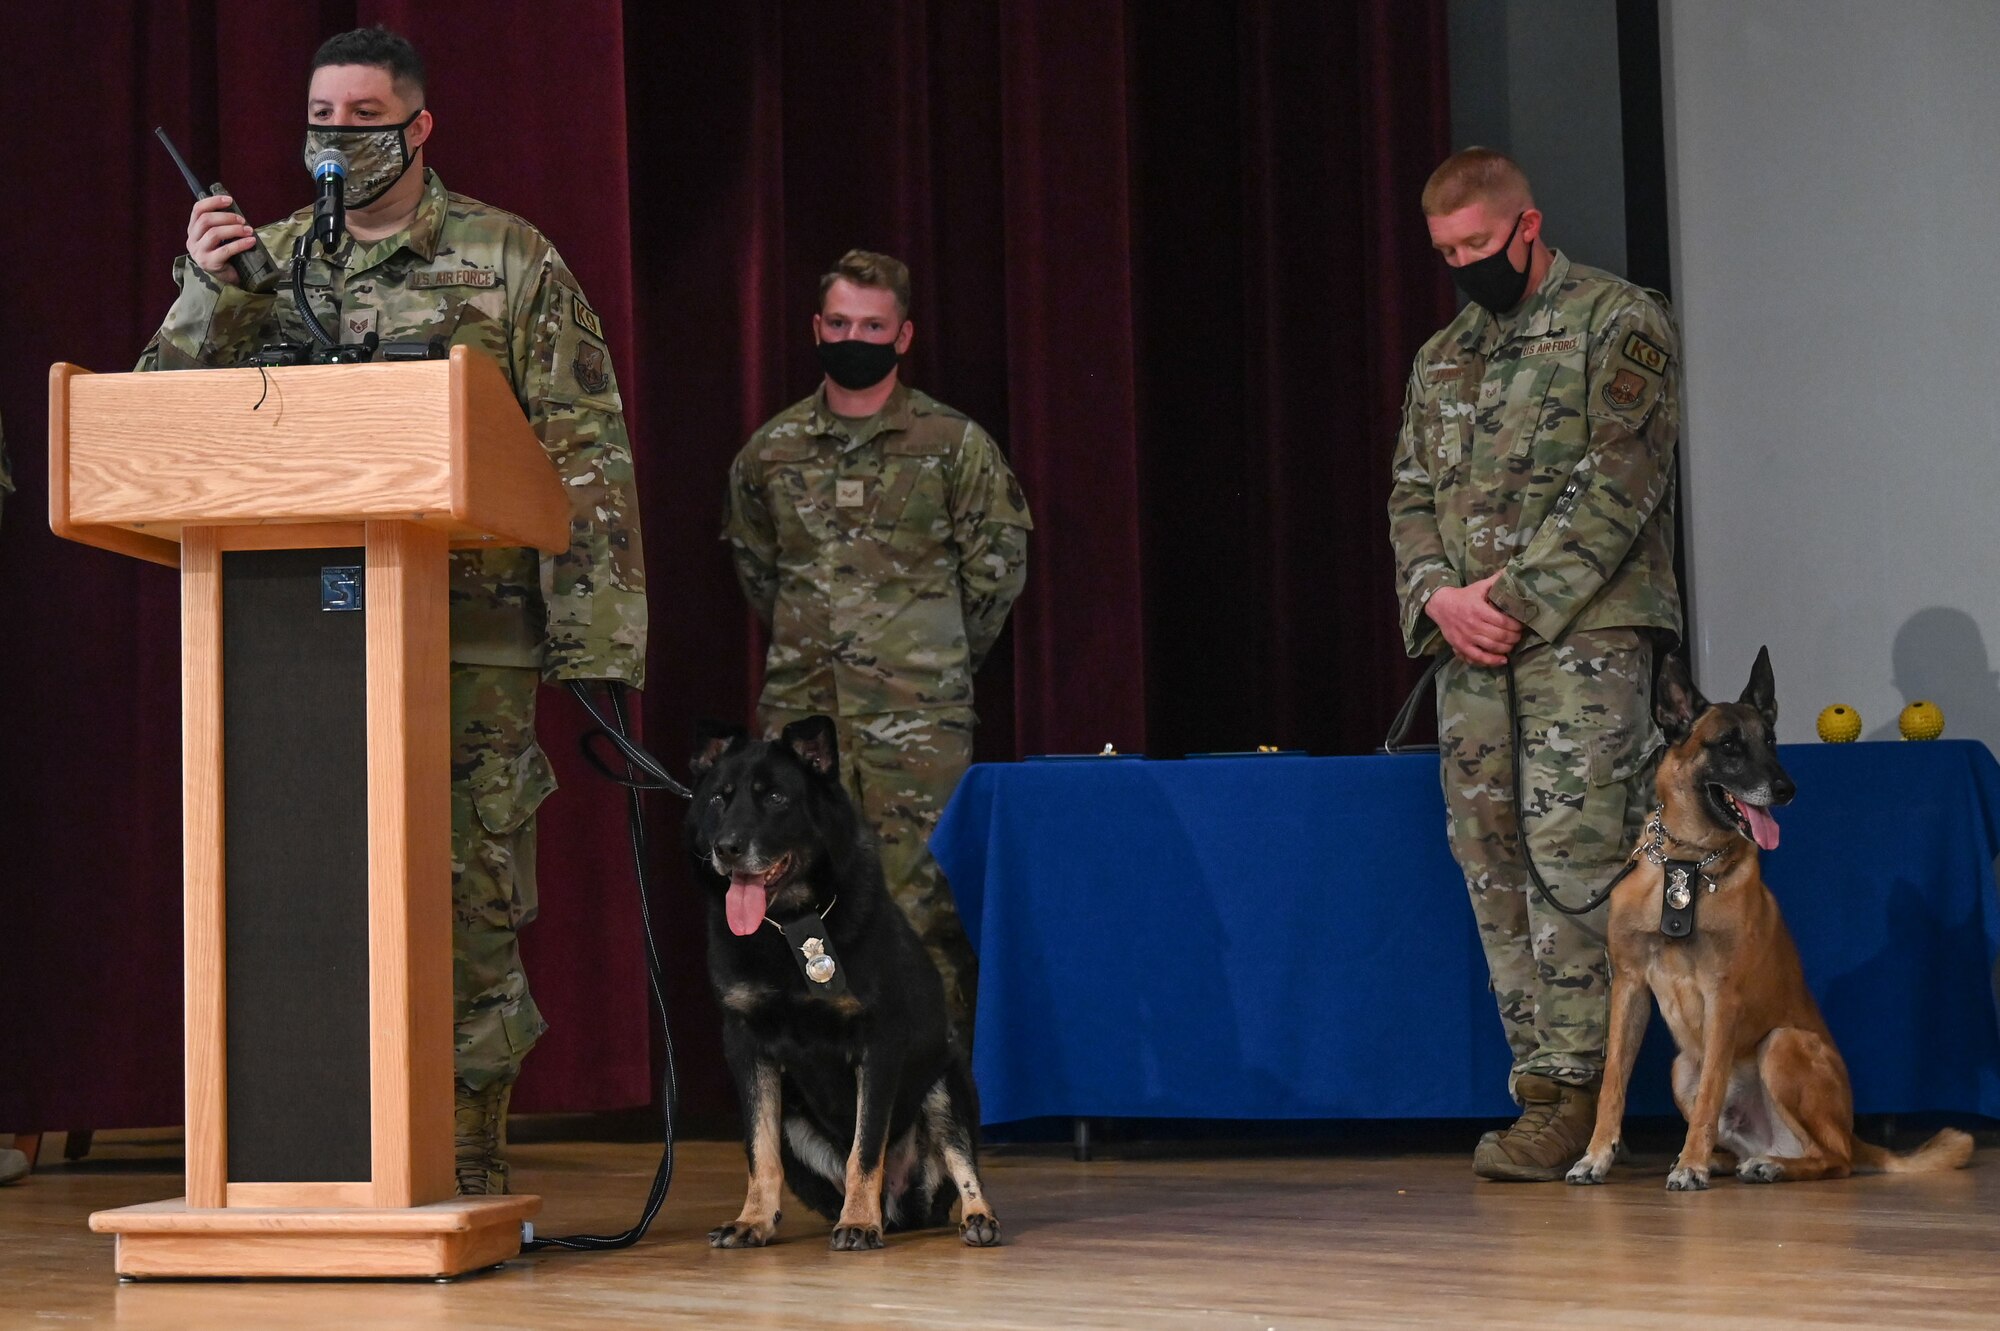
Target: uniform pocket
column 794, row 479
column 1534, row 391
column 1444, row 433
column 913, row 501
column 1588, row 704
column 1616, row 756
column 507, row 791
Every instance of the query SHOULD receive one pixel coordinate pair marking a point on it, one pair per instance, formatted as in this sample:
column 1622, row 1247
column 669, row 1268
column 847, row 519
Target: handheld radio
column 254, row 268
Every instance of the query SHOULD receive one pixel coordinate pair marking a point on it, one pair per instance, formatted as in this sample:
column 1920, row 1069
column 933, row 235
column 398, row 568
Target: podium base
column 442, row 1239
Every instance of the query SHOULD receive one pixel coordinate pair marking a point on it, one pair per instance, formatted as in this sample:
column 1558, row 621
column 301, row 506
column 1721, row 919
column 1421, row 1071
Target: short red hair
column 1477, row 175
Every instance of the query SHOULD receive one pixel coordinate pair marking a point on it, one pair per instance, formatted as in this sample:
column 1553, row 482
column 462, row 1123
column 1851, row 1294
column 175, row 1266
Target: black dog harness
column 811, row 947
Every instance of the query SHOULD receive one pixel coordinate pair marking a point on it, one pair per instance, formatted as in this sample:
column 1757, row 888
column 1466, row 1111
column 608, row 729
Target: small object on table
column 1107, row 752
column 1840, row 724
column 1921, row 720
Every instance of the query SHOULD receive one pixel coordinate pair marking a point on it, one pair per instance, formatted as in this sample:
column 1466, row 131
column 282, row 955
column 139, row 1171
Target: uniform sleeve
column 595, row 591
column 211, row 324
column 990, row 525
column 1632, row 399
column 752, row 535
column 1421, row 564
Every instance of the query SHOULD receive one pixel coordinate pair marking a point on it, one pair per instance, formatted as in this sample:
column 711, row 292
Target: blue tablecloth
column 1288, row 937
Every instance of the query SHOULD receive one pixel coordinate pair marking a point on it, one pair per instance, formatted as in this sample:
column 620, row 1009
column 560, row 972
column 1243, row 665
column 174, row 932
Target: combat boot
column 480, row 1137
column 13, row 1166
column 1554, row 1127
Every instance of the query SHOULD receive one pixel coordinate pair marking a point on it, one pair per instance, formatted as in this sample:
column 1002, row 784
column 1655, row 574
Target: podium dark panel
column 295, row 824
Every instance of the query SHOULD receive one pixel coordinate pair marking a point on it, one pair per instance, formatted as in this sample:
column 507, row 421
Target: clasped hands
column 1477, row 630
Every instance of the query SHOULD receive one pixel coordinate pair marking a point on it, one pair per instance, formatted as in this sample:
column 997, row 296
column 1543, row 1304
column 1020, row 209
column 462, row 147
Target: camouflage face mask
column 377, row 156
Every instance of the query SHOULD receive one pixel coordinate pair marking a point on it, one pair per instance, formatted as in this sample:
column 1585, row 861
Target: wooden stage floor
column 1147, row 1237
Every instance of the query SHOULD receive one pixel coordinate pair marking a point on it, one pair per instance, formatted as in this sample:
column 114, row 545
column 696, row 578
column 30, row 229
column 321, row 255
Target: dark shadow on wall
column 1940, row 656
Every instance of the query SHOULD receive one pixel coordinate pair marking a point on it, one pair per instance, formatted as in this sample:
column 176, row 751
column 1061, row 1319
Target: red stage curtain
column 1169, row 254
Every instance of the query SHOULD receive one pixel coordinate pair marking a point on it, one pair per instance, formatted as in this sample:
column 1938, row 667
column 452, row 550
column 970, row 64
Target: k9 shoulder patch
column 1643, row 352
column 586, row 318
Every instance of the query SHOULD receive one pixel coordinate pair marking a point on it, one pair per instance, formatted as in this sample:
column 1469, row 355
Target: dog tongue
column 746, row 905
column 1762, row 825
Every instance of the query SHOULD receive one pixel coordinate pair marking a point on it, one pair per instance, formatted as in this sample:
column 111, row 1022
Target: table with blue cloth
column 1276, row 937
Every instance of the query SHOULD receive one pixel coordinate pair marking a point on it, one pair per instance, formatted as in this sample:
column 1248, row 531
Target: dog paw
column 1588, row 1170
column 980, row 1231
column 1686, row 1178
column 742, row 1234
column 1760, row 1171
column 855, row 1238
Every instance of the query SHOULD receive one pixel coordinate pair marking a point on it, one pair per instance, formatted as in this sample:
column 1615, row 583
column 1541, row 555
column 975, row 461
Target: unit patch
column 591, row 368
column 1624, row 390
column 1640, row 351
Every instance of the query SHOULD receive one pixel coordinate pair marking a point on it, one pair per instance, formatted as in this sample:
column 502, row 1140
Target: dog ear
column 1762, row 690
column 712, row 739
column 1676, row 701
column 814, row 741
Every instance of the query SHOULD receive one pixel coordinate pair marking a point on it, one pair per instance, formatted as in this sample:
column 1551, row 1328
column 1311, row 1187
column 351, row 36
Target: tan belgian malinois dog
column 1758, row 1073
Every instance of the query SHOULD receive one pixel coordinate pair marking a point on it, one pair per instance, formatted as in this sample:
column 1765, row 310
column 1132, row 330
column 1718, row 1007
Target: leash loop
column 1521, row 827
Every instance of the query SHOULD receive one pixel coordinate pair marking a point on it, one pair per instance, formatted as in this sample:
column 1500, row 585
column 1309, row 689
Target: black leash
column 1393, row 743
column 617, row 728
column 657, row 777
column 1406, row 715
column 1521, row 826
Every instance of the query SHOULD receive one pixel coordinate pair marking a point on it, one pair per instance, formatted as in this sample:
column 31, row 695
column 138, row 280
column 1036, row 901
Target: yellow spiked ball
column 1840, row 724
column 1921, row 720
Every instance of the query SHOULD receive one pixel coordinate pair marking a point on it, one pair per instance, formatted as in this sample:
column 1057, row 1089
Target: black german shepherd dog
column 854, row 1090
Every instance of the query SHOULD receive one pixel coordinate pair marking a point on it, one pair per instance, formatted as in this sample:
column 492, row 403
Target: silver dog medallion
column 1677, row 889
column 819, row 966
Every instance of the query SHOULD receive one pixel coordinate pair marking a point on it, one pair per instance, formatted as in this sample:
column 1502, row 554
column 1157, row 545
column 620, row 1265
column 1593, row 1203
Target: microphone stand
column 329, row 220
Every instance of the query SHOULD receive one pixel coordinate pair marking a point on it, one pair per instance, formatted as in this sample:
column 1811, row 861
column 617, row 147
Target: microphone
column 329, row 172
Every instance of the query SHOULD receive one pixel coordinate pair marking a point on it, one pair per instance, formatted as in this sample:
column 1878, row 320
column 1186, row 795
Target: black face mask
column 1493, row 281
column 855, row 365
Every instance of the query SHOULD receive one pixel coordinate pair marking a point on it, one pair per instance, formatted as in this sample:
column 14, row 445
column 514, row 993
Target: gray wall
column 1538, row 79
column 1835, row 171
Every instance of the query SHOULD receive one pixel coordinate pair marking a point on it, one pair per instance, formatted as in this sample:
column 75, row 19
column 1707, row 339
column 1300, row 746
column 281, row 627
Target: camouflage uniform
column 476, row 276
column 883, row 562
column 1541, row 446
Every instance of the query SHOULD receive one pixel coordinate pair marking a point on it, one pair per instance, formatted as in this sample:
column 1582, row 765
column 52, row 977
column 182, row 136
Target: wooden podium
column 310, row 511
